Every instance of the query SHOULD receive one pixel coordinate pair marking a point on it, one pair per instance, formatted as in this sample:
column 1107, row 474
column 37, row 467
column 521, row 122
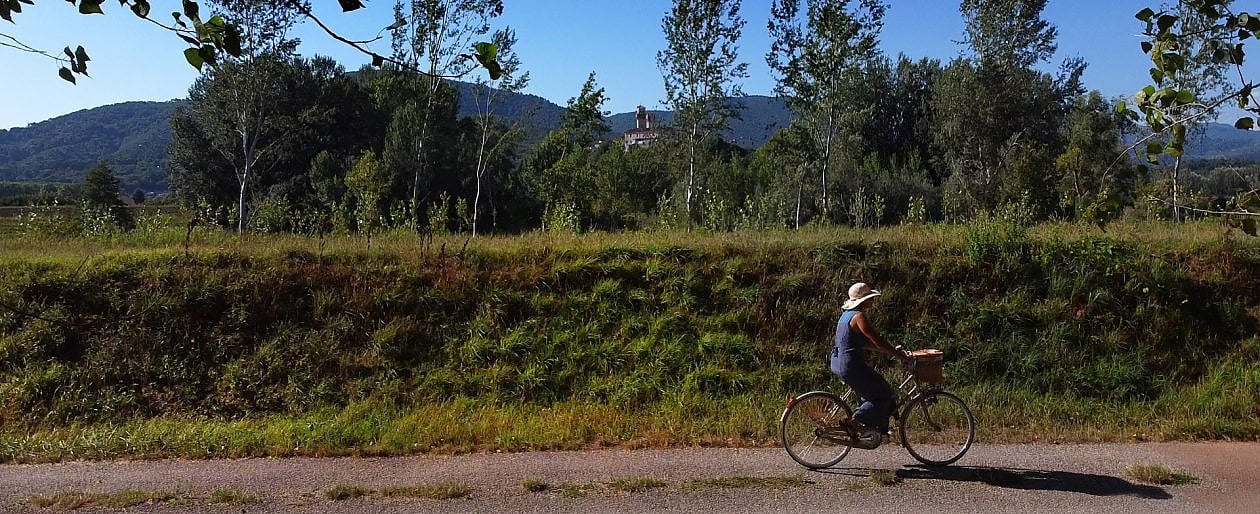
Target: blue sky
column 560, row 42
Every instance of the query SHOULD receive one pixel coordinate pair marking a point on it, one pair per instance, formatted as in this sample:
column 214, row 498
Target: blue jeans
column 876, row 394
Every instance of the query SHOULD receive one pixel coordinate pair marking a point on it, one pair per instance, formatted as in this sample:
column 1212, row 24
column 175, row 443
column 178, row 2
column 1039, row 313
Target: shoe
column 869, row 439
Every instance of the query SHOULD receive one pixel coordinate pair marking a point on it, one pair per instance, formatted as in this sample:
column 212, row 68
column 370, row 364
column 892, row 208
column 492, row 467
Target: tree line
column 273, row 141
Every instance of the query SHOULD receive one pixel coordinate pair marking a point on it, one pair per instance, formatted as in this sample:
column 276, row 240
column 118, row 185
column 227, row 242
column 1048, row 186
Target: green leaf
column 377, row 60
column 1185, row 96
column 68, row 53
column 350, row 5
column 1245, row 124
column 1145, row 14
column 191, row 10
column 66, row 74
column 81, row 54
column 207, row 54
column 193, row 56
column 90, row 7
column 1166, row 22
column 141, row 8
column 1147, row 46
column 1249, row 226
column 1154, row 149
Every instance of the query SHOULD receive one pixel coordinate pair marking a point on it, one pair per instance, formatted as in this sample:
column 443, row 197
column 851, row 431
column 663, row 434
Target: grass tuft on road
column 635, row 484
column 535, row 485
column 750, row 482
column 1159, row 474
column 884, row 477
column 118, row 500
column 347, row 492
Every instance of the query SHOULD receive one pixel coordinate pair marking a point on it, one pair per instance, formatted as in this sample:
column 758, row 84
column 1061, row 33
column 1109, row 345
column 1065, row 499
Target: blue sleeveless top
column 849, row 342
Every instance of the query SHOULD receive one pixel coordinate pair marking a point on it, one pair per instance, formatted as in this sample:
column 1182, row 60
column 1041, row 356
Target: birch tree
column 435, row 36
column 701, row 71
column 818, row 53
column 511, row 81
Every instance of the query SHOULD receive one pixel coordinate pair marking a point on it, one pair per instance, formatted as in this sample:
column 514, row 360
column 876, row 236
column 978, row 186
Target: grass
column 571, row 490
column 750, row 482
column 347, row 492
column 445, row 491
column 284, row 345
column 1159, row 475
column 448, row 491
column 535, row 485
column 635, row 484
column 117, row 500
column 233, row 497
column 884, row 477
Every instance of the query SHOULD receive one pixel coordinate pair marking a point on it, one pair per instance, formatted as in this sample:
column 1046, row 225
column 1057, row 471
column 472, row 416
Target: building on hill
column 643, row 133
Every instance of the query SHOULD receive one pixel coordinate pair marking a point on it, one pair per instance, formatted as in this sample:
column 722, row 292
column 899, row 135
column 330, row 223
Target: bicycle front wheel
column 937, row 428
column 811, row 429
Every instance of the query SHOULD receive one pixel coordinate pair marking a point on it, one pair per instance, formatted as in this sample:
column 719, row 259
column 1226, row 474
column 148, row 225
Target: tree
column 819, row 55
column 137, row 196
column 559, row 168
column 430, row 35
column 368, row 186
column 1192, row 45
column 1008, row 33
column 700, row 68
column 102, row 196
column 511, row 81
column 1088, row 187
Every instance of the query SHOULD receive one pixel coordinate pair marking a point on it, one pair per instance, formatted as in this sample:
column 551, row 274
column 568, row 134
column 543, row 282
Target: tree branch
column 1153, row 198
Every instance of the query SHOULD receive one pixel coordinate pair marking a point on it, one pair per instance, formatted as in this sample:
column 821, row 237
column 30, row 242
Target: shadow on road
column 1030, row 479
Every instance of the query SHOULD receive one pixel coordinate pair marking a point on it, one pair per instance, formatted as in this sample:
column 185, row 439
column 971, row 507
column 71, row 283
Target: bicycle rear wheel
column 937, row 428
column 811, row 429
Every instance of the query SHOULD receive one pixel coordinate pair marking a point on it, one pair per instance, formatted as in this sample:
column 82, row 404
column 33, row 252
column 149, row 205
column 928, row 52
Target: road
column 991, row 478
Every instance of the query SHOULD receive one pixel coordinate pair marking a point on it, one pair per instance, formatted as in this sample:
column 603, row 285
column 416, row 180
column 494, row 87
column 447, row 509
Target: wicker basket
column 928, row 365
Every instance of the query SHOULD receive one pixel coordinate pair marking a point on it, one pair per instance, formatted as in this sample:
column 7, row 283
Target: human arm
column 862, row 325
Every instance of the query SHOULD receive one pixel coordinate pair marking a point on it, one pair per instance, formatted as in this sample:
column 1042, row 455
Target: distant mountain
column 133, row 137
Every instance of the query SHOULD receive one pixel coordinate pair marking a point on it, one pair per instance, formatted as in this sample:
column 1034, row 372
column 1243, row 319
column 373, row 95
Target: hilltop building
column 643, row 133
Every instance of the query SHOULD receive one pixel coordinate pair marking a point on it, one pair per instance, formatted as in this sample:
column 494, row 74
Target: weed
column 535, row 485
column 750, row 482
column 1159, row 474
column 884, row 477
column 431, row 491
column 568, row 490
column 635, row 484
column 118, row 500
column 347, row 492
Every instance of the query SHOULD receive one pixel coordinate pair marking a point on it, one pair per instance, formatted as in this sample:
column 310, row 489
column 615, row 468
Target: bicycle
column 935, row 426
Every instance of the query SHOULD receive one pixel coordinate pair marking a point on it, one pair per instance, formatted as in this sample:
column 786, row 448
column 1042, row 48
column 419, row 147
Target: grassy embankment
column 288, row 345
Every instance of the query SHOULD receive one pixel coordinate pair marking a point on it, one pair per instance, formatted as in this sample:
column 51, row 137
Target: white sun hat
column 858, row 293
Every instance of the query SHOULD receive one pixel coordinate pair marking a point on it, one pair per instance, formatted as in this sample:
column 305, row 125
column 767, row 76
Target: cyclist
column 854, row 333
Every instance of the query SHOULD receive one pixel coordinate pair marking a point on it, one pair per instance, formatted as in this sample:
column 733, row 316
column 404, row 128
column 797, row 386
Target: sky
column 559, row 42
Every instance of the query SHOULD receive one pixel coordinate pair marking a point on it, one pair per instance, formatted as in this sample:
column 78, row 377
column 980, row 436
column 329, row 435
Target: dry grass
column 535, row 485
column 750, row 482
column 117, row 500
column 635, row 484
column 1159, row 474
column 347, row 492
column 448, row 491
column 884, row 477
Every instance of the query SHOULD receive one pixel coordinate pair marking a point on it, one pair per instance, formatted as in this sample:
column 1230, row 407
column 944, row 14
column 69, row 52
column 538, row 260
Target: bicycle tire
column 801, row 429
column 937, row 428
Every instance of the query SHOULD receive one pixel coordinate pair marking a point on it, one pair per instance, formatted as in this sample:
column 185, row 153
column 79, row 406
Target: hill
column 132, row 136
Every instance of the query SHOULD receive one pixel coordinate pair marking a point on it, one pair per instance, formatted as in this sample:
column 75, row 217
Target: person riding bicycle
column 855, row 333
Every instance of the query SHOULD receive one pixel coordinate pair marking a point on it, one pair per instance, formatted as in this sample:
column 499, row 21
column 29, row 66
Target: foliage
column 701, row 71
column 101, row 205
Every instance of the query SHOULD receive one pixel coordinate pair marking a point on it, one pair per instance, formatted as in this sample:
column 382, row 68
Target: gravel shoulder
column 1003, row 478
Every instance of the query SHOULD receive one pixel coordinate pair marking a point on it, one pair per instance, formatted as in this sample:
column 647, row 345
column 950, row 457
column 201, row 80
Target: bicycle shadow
column 1028, row 479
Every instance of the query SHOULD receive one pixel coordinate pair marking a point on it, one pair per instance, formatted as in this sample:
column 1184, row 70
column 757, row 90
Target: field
column 143, row 345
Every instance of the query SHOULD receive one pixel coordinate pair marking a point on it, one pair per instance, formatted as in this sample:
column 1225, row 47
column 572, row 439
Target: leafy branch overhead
column 210, row 39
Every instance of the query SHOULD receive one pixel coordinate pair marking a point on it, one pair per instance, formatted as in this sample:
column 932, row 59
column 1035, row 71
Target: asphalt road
column 991, row 478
